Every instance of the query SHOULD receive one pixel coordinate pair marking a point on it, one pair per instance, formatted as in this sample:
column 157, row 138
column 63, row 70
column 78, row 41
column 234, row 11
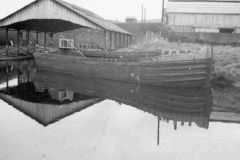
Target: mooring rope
column 73, row 46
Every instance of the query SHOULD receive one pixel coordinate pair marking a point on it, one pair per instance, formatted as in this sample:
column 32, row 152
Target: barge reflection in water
column 132, row 127
column 184, row 105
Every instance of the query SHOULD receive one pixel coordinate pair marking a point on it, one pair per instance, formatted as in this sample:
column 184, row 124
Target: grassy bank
column 226, row 58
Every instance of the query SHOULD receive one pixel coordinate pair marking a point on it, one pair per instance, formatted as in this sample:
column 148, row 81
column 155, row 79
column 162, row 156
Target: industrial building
column 55, row 17
column 216, row 16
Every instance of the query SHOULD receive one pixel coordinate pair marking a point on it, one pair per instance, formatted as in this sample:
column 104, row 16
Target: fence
column 203, row 37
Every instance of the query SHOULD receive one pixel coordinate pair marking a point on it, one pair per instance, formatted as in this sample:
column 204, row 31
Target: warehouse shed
column 218, row 16
column 53, row 16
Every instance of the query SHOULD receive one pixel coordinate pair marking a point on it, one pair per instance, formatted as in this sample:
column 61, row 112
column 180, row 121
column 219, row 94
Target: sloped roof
column 94, row 17
column 56, row 16
column 47, row 114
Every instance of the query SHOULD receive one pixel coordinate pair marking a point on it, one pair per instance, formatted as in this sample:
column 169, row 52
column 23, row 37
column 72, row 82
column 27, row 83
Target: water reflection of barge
column 176, row 104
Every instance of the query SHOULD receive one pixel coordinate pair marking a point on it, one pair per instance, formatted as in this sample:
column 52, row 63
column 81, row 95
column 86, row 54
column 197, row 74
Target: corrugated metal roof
column 94, row 18
column 56, row 16
column 47, row 114
column 203, row 7
column 204, row 0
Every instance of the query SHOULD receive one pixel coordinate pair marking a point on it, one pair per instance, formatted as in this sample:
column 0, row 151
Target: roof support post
column 18, row 33
column 120, row 40
column 7, row 41
column 28, row 40
column 130, row 40
column 45, row 39
column 175, row 125
column 110, row 34
column 127, row 40
column 37, row 37
column 105, row 39
column 190, row 124
column 115, row 40
column 7, row 78
column 124, row 42
column 74, row 37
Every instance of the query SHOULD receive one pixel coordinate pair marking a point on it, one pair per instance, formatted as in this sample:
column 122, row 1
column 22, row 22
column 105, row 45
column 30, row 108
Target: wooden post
column 74, row 37
column 190, row 124
column 124, row 40
column 175, row 125
column 45, row 39
column 7, row 76
column 110, row 36
column 7, row 41
column 120, row 40
column 18, row 32
column 37, row 37
column 28, row 39
column 127, row 40
column 18, row 74
column 130, row 39
column 209, row 66
column 115, row 40
column 105, row 40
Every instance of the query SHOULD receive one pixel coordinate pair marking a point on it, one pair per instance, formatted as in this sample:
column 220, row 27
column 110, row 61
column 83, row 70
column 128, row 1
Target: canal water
column 49, row 115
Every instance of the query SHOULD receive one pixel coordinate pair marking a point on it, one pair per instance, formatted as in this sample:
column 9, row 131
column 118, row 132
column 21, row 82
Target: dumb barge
column 181, row 70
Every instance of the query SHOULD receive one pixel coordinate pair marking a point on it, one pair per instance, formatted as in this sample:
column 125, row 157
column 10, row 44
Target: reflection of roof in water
column 48, row 112
column 181, row 104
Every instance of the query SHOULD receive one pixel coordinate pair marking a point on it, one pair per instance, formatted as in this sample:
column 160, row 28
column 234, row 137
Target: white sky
column 108, row 9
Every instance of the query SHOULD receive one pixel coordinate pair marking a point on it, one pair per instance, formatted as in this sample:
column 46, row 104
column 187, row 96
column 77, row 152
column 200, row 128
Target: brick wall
column 82, row 36
column 139, row 29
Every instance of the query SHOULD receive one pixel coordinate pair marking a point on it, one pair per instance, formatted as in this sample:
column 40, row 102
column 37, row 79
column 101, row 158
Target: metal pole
column 144, row 15
column 7, row 41
column 158, row 131
column 162, row 11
